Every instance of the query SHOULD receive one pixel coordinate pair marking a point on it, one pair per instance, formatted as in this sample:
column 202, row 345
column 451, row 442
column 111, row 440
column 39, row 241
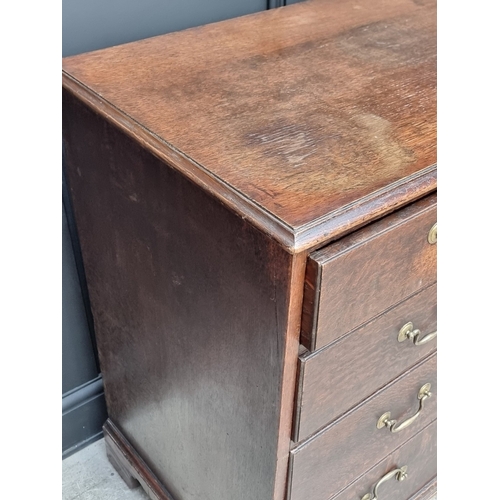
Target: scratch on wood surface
column 293, row 142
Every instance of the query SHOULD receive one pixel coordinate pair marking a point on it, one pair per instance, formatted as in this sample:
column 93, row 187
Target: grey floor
column 87, row 475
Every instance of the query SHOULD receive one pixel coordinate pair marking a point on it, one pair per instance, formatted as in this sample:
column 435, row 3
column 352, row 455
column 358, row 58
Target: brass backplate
column 433, row 234
column 405, row 330
column 424, row 391
column 383, row 419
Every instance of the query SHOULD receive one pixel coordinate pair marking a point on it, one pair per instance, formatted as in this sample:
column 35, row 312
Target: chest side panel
column 191, row 307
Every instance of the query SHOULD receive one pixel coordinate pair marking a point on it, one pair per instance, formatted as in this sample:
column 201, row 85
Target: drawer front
column 343, row 374
column 355, row 279
column 329, row 461
column 418, row 455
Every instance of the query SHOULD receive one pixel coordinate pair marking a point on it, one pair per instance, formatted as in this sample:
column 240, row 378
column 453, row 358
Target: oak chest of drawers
column 256, row 207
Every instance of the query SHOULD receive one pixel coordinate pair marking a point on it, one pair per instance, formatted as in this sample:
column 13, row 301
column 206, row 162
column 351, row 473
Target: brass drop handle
column 385, row 419
column 398, row 474
column 407, row 332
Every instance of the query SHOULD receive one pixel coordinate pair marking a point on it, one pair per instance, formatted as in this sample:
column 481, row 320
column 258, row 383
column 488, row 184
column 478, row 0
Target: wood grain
column 428, row 492
column 329, row 461
column 288, row 390
column 351, row 281
column 341, row 375
column 419, row 454
column 298, row 115
column 192, row 309
column 131, row 467
column 205, row 166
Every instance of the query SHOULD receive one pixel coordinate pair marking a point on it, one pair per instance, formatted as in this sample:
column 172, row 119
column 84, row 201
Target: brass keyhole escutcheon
column 433, row 234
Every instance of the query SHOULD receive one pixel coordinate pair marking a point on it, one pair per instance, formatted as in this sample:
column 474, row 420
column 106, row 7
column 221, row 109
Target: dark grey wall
column 79, row 365
column 94, row 24
column 83, row 406
column 90, row 25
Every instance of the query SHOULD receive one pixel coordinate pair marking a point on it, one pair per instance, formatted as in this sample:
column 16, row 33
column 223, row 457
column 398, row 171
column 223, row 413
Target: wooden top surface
column 309, row 119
